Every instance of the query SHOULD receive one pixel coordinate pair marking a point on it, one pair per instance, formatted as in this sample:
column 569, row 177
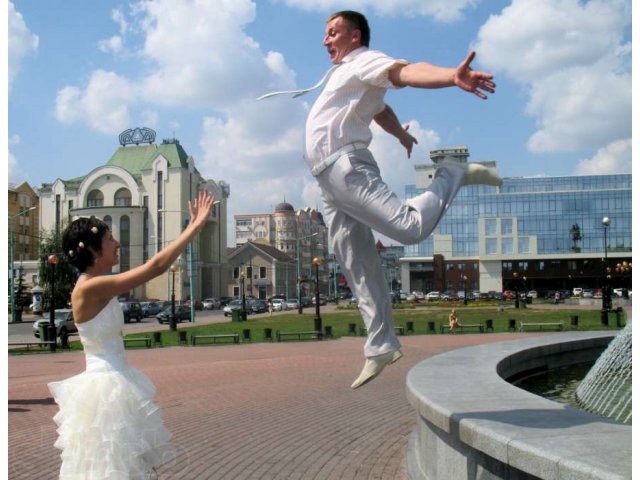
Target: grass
column 339, row 321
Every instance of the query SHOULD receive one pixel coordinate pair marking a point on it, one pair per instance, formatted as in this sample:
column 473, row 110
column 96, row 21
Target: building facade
column 542, row 233
column 142, row 194
column 300, row 234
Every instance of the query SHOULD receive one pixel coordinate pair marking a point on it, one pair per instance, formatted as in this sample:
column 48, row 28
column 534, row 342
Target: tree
column 51, row 244
column 576, row 236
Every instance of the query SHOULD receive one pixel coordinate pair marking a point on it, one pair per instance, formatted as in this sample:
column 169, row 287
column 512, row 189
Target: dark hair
column 81, row 238
column 359, row 22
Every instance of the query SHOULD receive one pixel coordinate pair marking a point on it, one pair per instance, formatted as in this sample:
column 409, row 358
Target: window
column 490, row 226
column 236, row 272
column 95, row 199
column 159, row 192
column 523, row 245
column 491, row 246
column 108, row 221
column 249, row 272
column 507, row 245
column 122, row 198
column 263, row 272
column 125, row 235
column 507, row 266
column 461, row 266
column 506, row 225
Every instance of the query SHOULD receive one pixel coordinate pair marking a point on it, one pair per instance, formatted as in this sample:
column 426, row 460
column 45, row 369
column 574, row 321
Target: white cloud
column 111, row 45
column 614, row 158
column 571, row 57
column 15, row 139
column 12, row 164
column 22, row 41
column 440, row 10
column 103, row 104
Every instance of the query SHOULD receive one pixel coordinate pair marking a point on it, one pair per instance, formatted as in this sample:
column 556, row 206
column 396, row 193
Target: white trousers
column 357, row 201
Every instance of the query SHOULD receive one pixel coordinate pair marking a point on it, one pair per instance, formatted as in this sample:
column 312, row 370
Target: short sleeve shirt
column 344, row 110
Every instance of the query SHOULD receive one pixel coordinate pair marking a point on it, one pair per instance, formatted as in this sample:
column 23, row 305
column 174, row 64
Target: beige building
column 300, row 234
column 142, row 193
column 23, row 222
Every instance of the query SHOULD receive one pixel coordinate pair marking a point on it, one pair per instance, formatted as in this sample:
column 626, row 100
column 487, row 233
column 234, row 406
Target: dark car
column 132, row 311
column 197, row 305
column 259, row 306
column 151, row 309
column 183, row 313
column 225, row 300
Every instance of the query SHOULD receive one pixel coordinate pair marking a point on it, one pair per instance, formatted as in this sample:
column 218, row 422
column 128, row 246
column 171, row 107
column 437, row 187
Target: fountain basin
column 473, row 424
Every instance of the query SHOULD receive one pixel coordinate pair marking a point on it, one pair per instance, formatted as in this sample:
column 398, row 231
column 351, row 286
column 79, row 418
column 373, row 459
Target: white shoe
column 477, row 174
column 374, row 365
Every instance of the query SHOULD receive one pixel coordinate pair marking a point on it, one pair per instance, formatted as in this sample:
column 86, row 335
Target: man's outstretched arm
column 426, row 75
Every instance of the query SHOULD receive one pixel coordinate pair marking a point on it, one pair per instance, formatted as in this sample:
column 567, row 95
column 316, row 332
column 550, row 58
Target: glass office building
column 546, row 229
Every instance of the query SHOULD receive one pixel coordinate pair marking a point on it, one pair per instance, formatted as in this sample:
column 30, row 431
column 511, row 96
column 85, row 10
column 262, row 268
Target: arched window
column 108, row 221
column 95, row 199
column 122, row 198
column 124, row 243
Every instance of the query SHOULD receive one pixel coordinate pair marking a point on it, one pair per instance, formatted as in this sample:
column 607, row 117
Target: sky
column 82, row 72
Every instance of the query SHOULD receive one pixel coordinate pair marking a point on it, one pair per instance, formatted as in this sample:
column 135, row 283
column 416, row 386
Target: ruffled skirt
column 108, row 426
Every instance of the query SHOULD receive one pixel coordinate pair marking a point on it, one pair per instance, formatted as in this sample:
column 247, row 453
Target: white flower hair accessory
column 94, row 230
column 81, row 245
column 71, row 253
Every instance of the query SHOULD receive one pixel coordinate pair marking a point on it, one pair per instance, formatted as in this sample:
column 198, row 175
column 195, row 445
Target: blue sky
column 82, row 72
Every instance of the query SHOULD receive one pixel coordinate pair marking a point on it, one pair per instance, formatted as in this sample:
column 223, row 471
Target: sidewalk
column 257, row 411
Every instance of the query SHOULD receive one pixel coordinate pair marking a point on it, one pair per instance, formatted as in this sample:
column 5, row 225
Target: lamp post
column 515, row 287
column 606, row 298
column 243, row 313
column 51, row 329
column 172, row 319
column 317, row 321
column 13, row 295
column 464, row 287
column 298, row 278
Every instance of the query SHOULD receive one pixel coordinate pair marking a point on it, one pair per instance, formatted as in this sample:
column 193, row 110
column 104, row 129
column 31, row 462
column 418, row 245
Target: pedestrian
column 356, row 199
column 453, row 320
column 108, row 426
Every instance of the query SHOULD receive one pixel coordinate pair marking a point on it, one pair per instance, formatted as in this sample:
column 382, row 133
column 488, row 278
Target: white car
column 292, row 304
column 63, row 319
column 419, row 295
column 432, row 296
column 211, row 303
column 278, row 304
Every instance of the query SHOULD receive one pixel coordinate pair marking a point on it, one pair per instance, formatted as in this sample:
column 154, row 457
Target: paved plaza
column 253, row 411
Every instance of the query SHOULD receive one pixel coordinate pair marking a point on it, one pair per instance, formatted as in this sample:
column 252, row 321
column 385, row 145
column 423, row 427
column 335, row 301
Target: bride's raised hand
column 200, row 208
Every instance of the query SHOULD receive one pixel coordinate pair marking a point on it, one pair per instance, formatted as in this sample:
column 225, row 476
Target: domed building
column 142, row 193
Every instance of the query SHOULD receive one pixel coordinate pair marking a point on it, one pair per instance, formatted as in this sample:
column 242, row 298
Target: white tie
column 297, row 93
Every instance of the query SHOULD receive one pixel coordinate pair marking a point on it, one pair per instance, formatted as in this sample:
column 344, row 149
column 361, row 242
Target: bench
column 145, row 340
column 312, row 334
column 29, row 344
column 462, row 327
column 541, row 325
column 222, row 336
column 399, row 330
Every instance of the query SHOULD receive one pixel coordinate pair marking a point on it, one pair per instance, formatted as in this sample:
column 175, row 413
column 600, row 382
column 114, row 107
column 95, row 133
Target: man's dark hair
column 358, row 21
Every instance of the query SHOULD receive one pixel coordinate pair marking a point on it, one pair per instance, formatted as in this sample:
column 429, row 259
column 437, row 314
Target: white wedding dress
column 108, row 425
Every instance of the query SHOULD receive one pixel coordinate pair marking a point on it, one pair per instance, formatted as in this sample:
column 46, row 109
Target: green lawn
column 339, row 322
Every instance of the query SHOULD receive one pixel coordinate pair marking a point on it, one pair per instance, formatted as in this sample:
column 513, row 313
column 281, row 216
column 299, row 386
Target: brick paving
column 255, row 411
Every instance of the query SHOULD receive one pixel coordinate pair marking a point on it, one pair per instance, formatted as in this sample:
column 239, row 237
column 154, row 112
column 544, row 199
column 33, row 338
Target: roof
column 266, row 249
column 136, row 158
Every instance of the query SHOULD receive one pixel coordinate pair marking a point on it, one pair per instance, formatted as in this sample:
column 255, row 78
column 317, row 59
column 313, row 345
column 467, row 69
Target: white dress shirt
column 344, row 110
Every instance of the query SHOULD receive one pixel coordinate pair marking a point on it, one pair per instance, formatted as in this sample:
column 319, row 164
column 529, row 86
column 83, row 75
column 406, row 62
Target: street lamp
column 464, row 281
column 515, row 287
column 243, row 314
column 606, row 297
column 317, row 321
column 13, row 299
column 298, row 278
column 172, row 319
column 51, row 329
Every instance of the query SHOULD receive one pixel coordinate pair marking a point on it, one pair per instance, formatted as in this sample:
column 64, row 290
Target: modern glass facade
column 532, row 219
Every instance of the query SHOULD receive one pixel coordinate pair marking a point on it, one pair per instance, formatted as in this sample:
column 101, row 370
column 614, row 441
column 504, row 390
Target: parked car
column 183, row 313
column 151, row 309
column 411, row 297
column 321, row 297
column 63, row 319
column 587, row 293
column 278, row 304
column 508, row 295
column 532, row 294
column 577, row 292
column 292, row 304
column 197, row 304
column 353, row 301
column 259, row 306
column 305, row 301
column 131, row 311
column 419, row 295
column 211, row 303
column 225, row 300
column 235, row 305
column 433, row 296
